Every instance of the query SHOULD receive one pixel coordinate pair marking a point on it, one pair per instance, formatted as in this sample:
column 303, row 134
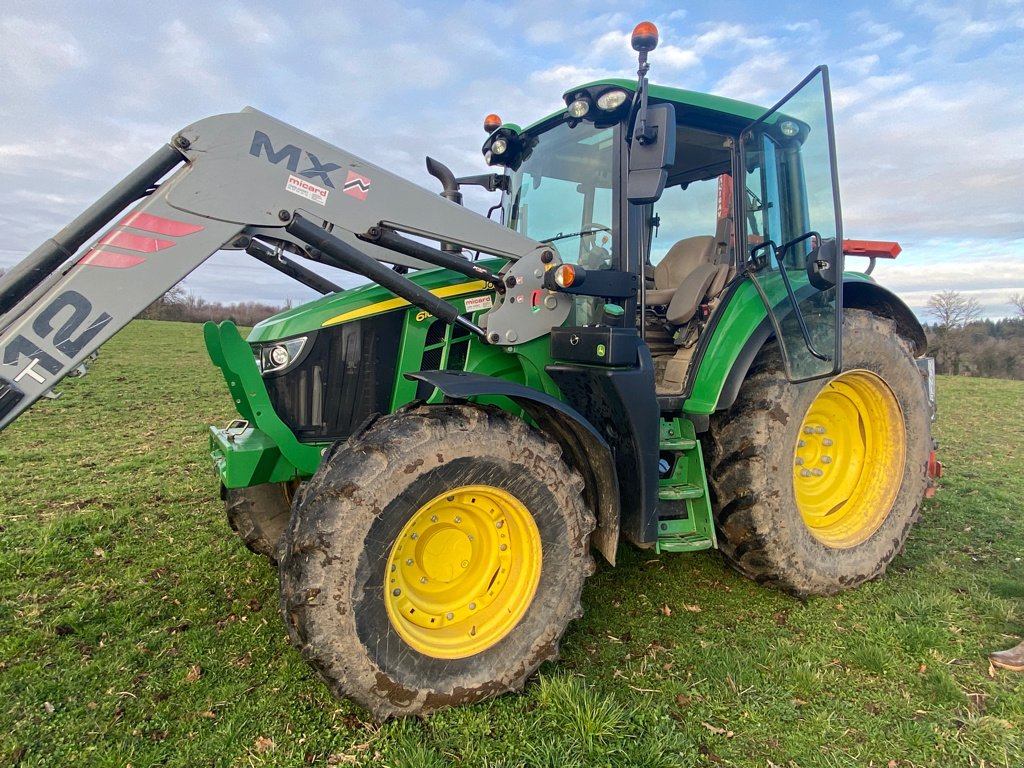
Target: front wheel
column 818, row 484
column 259, row 514
column 435, row 559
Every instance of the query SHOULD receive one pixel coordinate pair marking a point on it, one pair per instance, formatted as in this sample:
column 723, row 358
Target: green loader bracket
column 262, row 448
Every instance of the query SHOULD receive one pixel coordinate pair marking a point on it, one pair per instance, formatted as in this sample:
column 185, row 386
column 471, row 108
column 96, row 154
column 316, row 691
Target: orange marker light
column 492, row 123
column 565, row 275
column 645, row 37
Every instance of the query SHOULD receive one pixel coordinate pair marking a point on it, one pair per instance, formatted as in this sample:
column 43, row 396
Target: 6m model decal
column 47, row 325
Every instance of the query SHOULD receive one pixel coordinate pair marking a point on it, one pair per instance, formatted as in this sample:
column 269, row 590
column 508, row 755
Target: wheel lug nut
column 394, row 567
column 409, row 561
column 818, row 473
column 805, row 473
column 801, row 444
column 503, row 547
column 450, row 616
column 396, row 592
column 499, row 524
column 826, row 459
column 414, row 536
column 433, row 518
column 799, row 461
column 808, row 430
column 819, row 430
column 472, row 606
column 458, row 519
column 423, row 579
column 826, row 441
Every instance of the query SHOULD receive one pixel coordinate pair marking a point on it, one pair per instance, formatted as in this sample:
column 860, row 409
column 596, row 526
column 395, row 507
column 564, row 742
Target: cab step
column 685, row 523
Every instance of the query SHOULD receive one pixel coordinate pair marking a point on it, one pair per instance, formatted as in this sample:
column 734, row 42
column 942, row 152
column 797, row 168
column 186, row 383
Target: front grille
column 445, row 348
column 347, row 375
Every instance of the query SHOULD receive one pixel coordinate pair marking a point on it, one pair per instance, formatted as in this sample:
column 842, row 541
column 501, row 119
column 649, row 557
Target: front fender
column 583, row 446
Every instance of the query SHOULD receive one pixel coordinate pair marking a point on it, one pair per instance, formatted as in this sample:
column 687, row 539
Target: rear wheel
column 259, row 515
column 817, row 484
column 435, row 559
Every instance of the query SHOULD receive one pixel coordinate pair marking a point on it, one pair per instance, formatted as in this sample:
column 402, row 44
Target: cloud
column 35, row 54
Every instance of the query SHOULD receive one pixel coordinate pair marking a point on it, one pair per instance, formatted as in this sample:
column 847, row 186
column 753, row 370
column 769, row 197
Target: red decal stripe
column 96, row 258
column 147, row 222
column 130, row 242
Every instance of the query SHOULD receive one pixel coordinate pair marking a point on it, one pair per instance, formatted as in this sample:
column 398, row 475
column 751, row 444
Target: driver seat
column 687, row 273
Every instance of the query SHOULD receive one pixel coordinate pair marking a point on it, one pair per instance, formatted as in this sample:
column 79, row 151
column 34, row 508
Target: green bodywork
column 267, row 451
column 263, row 449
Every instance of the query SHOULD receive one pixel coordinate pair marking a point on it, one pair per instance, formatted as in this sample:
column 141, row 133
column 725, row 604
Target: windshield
column 562, row 193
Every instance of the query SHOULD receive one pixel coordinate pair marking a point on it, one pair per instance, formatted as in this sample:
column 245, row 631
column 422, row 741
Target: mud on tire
column 409, row 476
column 259, row 515
column 792, row 530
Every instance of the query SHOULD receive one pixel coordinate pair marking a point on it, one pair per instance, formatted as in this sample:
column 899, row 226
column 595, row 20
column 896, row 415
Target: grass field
column 136, row 630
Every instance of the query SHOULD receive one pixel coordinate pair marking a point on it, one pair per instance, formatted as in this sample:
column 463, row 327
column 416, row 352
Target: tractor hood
column 364, row 301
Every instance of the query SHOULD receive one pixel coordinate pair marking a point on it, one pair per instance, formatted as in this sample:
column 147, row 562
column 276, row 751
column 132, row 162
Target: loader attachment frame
column 245, row 181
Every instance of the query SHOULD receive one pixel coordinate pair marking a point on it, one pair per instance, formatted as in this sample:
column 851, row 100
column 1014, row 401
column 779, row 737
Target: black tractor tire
column 756, row 450
column 338, row 558
column 259, row 515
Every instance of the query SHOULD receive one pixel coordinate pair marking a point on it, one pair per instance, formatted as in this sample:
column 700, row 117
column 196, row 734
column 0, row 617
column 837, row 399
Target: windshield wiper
column 561, row 236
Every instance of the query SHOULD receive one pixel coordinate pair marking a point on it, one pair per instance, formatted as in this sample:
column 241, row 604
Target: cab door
column 793, row 226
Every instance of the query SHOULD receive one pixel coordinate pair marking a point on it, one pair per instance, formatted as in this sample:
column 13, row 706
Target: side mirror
column 649, row 161
column 823, row 265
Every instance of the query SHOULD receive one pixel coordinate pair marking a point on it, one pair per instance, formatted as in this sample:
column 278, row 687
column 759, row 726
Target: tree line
column 965, row 345
column 187, row 307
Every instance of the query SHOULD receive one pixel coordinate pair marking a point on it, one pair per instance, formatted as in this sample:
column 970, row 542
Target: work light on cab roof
column 580, row 104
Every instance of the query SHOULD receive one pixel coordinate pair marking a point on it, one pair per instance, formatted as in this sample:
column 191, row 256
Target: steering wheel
column 595, row 246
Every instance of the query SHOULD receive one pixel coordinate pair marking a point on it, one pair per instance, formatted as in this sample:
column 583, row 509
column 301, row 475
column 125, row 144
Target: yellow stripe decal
column 445, row 292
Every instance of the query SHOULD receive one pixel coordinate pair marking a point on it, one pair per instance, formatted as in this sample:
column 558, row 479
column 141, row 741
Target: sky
column 928, row 103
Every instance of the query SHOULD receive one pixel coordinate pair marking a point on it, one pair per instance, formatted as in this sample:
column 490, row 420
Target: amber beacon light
column 645, row 37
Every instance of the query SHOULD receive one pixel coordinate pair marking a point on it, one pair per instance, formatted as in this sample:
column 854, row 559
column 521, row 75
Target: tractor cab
column 679, row 198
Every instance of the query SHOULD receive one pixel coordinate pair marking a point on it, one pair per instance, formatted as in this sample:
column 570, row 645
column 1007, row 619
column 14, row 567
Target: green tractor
column 657, row 343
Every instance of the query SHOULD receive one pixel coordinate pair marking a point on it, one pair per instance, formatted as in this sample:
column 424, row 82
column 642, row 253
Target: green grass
column 135, row 628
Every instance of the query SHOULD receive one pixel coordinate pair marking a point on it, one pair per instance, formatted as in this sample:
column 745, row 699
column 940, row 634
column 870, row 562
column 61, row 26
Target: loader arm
column 239, row 179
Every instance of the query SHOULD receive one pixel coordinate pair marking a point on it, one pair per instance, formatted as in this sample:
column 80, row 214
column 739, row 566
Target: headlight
column 609, row 101
column 789, row 128
column 498, row 146
column 277, row 357
column 579, row 108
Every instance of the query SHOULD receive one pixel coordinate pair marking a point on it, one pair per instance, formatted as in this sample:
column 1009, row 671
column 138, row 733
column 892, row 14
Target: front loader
column 658, row 343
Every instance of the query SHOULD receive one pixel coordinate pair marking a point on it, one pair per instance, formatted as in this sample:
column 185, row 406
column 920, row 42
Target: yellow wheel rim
column 463, row 571
column 849, row 458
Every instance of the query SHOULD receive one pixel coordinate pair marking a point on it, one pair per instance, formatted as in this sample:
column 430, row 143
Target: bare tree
column 951, row 310
column 1017, row 300
column 165, row 307
column 953, row 314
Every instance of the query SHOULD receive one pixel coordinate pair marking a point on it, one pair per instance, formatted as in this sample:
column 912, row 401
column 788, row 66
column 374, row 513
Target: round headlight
column 789, row 129
column 498, row 146
column 579, row 108
column 611, row 100
column 279, row 356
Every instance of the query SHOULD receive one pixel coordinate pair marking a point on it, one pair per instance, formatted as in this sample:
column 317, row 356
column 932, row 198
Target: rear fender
column 859, row 292
column 582, row 445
